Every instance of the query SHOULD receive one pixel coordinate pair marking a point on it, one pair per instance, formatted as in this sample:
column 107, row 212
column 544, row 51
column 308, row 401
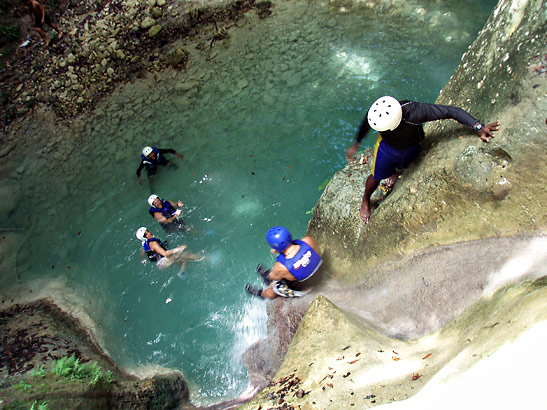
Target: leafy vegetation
column 41, row 406
column 70, row 367
column 43, row 382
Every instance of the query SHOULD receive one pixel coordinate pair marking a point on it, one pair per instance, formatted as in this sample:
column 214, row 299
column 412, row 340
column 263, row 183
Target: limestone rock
column 157, row 12
column 429, row 205
column 154, row 30
column 148, row 22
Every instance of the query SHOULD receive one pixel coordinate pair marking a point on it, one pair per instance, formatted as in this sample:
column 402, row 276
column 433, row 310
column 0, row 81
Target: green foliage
column 324, row 184
column 70, row 367
column 40, row 372
column 310, row 212
column 9, row 32
column 41, row 406
column 23, row 386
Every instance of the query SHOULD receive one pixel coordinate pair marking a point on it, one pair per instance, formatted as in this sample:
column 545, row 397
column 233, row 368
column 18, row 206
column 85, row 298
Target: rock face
column 36, row 333
column 459, row 189
column 338, row 362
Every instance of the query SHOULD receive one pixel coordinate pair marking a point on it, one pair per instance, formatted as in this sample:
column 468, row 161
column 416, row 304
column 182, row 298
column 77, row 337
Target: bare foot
column 390, row 182
column 365, row 212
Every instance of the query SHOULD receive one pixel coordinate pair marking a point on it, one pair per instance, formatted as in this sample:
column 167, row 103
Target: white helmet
column 140, row 233
column 151, row 199
column 385, row 114
column 147, row 151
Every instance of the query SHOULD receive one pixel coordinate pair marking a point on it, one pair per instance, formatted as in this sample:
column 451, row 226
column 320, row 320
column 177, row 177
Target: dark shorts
column 38, row 20
column 175, row 226
column 387, row 160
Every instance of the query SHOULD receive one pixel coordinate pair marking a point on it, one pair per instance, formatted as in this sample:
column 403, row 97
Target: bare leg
column 182, row 270
column 42, row 34
column 269, row 293
column 54, row 27
column 370, row 187
column 390, row 182
column 182, row 257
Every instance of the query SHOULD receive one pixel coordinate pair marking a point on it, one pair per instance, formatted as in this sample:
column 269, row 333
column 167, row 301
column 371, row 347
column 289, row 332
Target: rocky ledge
column 106, row 43
column 452, row 253
column 36, row 334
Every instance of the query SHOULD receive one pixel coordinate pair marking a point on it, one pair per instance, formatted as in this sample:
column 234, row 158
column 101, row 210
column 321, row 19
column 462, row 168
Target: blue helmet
column 279, row 238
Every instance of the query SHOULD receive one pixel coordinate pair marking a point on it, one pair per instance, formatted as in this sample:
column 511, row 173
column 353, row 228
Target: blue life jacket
column 153, row 255
column 304, row 264
column 167, row 210
column 153, row 163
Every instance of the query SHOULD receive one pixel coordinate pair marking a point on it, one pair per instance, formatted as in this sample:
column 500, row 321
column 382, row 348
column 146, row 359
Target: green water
column 264, row 125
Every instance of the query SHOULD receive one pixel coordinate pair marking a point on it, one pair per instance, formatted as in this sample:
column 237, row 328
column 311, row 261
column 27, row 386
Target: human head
column 151, row 199
column 279, row 238
column 146, row 151
column 141, row 233
column 385, row 114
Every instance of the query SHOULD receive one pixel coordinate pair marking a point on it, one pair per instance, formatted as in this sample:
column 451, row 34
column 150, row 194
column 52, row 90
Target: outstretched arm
column 363, row 130
column 139, row 170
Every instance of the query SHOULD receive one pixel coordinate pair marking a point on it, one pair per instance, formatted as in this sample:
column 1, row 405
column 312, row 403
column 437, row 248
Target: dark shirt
column 410, row 130
column 162, row 152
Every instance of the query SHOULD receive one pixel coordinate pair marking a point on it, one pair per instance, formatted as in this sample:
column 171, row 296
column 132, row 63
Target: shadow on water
column 262, row 120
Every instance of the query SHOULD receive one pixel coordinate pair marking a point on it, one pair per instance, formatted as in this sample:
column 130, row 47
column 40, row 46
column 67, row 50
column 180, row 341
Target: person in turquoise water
column 151, row 158
column 157, row 252
column 400, row 132
column 167, row 213
column 297, row 261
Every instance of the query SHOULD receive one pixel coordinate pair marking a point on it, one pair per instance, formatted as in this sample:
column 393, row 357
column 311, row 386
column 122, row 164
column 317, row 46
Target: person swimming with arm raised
column 167, row 213
column 153, row 157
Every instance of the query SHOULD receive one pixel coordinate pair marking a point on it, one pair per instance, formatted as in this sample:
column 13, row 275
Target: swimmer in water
column 167, row 213
column 157, row 252
column 151, row 158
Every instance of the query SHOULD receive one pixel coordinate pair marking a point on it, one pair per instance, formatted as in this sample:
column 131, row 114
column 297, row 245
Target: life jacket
column 153, row 163
column 304, row 264
column 153, row 256
column 167, row 210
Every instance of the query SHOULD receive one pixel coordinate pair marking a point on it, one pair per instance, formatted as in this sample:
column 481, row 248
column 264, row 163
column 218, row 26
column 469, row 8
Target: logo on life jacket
column 303, row 261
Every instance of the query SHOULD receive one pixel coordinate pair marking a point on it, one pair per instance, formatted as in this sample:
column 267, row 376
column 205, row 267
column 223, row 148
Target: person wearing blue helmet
column 297, row 261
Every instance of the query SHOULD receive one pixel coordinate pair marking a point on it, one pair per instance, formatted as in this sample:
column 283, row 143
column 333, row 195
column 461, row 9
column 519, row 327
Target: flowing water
column 263, row 123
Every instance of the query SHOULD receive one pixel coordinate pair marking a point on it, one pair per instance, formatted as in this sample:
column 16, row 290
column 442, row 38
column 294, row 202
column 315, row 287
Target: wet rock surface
column 410, row 270
column 459, row 189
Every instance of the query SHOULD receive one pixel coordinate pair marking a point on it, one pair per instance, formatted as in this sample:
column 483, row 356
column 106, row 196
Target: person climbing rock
column 298, row 261
column 151, row 157
column 38, row 13
column 157, row 252
column 167, row 213
column 400, row 132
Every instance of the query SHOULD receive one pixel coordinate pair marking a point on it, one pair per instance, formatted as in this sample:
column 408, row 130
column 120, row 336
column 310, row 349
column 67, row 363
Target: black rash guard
column 410, row 131
column 162, row 152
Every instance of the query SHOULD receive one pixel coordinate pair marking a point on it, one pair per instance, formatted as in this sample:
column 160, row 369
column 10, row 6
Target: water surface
column 263, row 123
